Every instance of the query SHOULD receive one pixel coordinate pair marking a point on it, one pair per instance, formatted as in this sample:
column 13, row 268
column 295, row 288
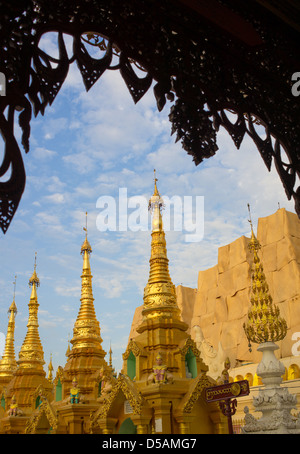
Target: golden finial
column 249, row 220
column 68, row 349
column 34, row 278
column 13, row 307
column 264, row 323
column 110, row 356
column 15, row 283
column 85, row 228
column 155, row 187
column 50, row 370
column 86, row 245
column 156, row 203
column 254, row 244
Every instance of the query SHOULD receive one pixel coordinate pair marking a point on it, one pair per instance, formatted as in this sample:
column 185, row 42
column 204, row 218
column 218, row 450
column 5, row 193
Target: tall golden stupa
column 77, row 386
column 161, row 388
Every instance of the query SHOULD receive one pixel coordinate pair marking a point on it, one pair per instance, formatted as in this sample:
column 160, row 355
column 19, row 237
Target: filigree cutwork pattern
column 131, row 394
column 202, row 382
column 190, row 344
column 132, row 347
column 201, row 68
column 46, row 409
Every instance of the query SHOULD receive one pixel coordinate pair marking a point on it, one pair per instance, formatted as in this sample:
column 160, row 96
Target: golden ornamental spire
column 50, row 370
column 264, row 323
column 159, row 293
column 110, row 356
column 8, row 363
column 31, row 354
column 86, row 331
column 86, row 245
column 68, row 348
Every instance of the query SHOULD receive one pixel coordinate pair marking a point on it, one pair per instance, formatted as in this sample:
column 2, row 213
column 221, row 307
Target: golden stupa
column 28, row 385
column 77, row 386
column 264, row 323
column 161, row 387
column 8, row 363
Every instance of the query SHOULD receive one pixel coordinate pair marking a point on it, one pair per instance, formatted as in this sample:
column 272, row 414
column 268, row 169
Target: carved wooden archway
column 205, row 57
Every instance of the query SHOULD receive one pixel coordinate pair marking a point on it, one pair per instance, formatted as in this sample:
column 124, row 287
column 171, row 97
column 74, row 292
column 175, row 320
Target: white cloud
column 54, row 126
column 113, row 286
column 169, row 158
column 80, row 162
column 43, row 153
column 55, row 184
column 56, row 198
column 49, row 223
column 68, row 290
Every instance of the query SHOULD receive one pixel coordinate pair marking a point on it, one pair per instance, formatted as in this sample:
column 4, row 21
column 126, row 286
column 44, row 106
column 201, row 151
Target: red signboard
column 226, row 394
column 227, row 391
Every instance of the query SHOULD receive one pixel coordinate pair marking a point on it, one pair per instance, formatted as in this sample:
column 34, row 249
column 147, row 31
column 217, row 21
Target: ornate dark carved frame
column 202, row 67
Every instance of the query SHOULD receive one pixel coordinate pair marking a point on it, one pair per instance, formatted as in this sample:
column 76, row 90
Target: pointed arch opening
column 131, row 366
column 191, row 364
column 127, row 427
column 58, row 391
column 3, row 401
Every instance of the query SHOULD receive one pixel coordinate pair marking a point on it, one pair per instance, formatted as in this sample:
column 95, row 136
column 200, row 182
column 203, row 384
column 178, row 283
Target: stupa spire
column 86, row 331
column 8, row 363
column 162, row 333
column 50, row 370
column 68, row 348
column 110, row 356
column 264, row 323
column 31, row 354
column 159, row 293
column 86, row 356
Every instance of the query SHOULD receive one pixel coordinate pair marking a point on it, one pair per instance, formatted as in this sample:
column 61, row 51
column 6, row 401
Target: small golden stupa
column 24, row 391
column 264, row 323
column 8, row 363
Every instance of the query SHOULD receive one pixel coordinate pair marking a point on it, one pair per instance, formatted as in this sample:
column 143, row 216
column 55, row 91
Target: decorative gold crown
column 264, row 323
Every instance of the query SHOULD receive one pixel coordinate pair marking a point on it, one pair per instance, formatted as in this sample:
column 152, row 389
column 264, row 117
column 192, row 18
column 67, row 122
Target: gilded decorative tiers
column 86, row 332
column 86, row 356
column 162, row 364
column 264, row 323
column 31, row 355
column 159, row 293
column 28, row 383
column 8, row 363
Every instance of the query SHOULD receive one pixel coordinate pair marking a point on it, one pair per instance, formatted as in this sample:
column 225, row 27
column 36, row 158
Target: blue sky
column 89, row 145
